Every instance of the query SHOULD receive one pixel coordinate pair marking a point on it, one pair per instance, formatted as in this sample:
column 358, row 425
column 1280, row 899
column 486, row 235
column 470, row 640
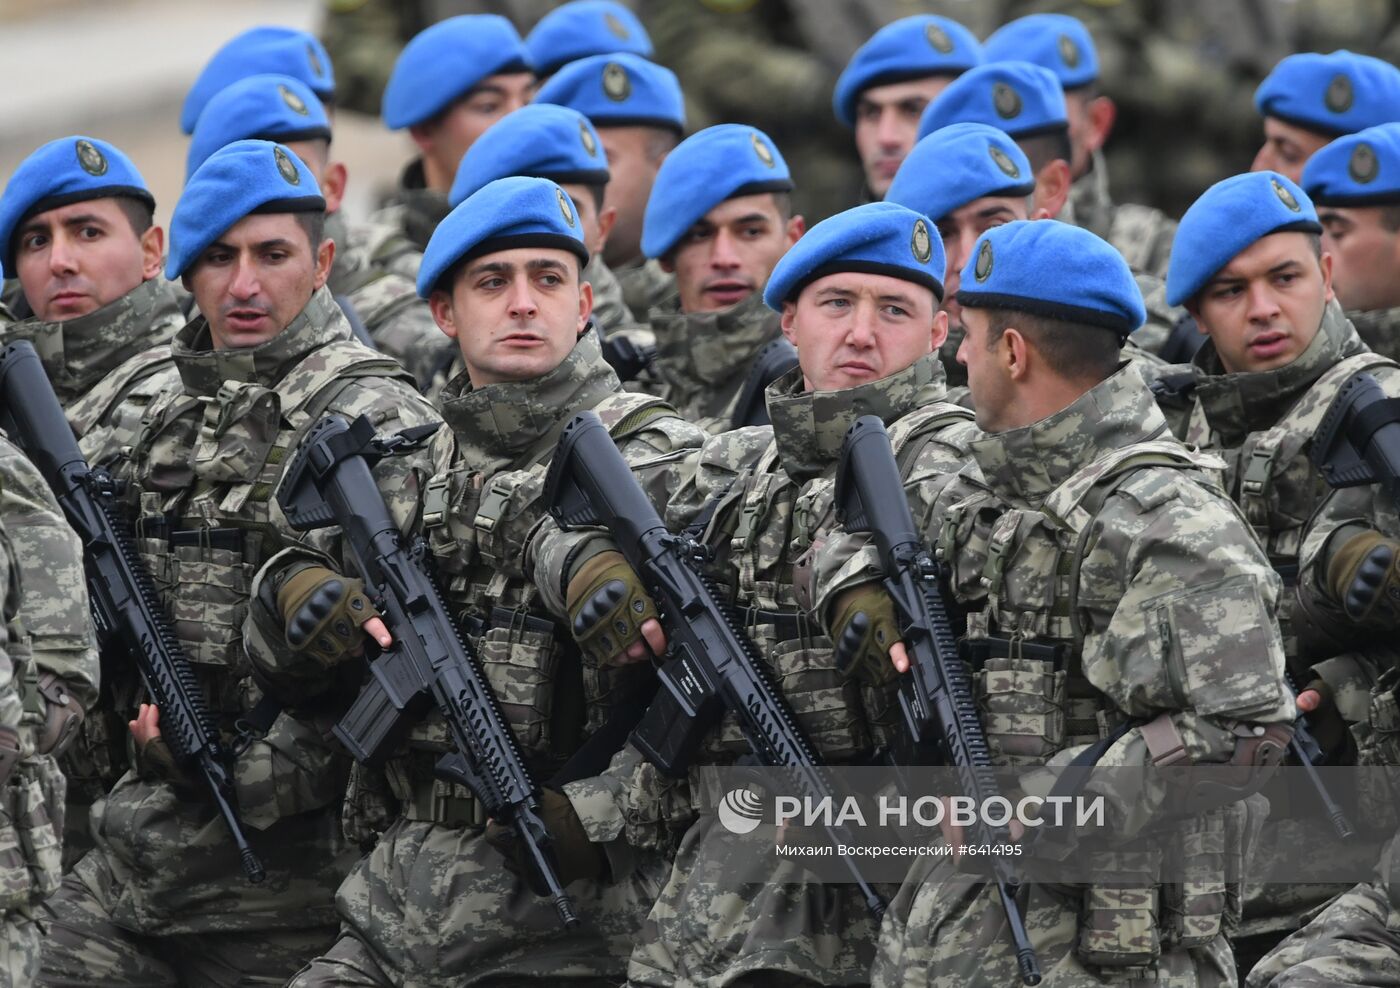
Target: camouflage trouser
column 434, row 905
column 734, row 914
column 83, row 946
column 19, row 951
column 948, row 930
column 1354, row 941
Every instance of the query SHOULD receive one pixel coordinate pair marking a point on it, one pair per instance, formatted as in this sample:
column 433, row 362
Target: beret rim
column 1296, row 226
column 865, row 267
column 1388, row 197
column 660, row 123
column 512, row 241
column 889, row 77
column 1307, row 124
column 1061, row 126
column 1023, row 189
column 290, row 136
column 579, row 176
column 429, row 111
column 69, row 198
column 1097, row 318
column 758, row 188
column 291, row 204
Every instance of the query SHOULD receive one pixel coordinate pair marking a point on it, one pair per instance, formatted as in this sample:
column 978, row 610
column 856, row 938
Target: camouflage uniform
column 116, row 357
column 772, row 487
column 162, row 899
column 1379, row 329
column 433, row 903
column 1143, row 235
column 611, row 313
column 644, row 286
column 46, row 631
column 413, row 209
column 1148, row 533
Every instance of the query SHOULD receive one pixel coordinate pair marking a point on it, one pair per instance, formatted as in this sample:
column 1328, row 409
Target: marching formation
column 391, row 602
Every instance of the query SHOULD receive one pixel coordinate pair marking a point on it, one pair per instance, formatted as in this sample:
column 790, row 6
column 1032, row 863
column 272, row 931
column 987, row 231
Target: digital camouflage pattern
column 1162, row 557
column 1379, row 329
column 164, row 877
column 610, row 312
column 413, row 209
column 644, row 286
column 1143, row 235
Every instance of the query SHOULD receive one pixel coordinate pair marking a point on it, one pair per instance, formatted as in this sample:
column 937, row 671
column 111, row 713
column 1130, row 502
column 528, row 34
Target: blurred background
column 1183, row 73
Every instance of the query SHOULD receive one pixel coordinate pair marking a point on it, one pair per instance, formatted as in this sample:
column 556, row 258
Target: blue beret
column 1058, row 42
column 1055, row 270
column 261, row 107
column 582, row 28
column 876, row 238
column 503, row 215
column 238, row 179
column 259, row 51
column 704, row 170
column 962, row 162
column 443, row 62
column 1228, row 217
column 1335, row 94
column 65, row 171
column 1020, row 98
column 618, row 91
column 540, row 140
column 1361, row 169
column 910, row 48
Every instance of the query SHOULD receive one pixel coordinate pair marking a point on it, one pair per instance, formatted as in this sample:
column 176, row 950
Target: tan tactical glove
column 607, row 607
column 863, row 627
column 323, row 612
column 1363, row 576
column 575, row 856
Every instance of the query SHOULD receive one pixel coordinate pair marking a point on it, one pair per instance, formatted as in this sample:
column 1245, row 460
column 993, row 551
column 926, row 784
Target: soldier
column 1309, row 99
column 1075, row 479
column 76, row 225
column 374, row 266
column 581, row 28
column 1248, row 264
column 1063, row 45
column 858, row 297
column 890, row 79
column 162, row 899
column 434, row 902
column 258, row 51
column 719, row 218
column 1355, row 183
column 450, row 83
column 50, row 674
column 640, row 115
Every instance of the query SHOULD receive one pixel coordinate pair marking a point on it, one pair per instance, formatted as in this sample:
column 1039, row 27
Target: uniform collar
column 705, row 349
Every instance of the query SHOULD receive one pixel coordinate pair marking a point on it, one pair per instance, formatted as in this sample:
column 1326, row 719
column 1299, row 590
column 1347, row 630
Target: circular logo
column 938, row 39
column 740, row 811
column 983, row 271
column 1285, row 196
column 565, row 207
column 1003, row 161
column 1363, row 166
column 1339, row 95
column 94, row 162
column 616, row 85
column 764, row 153
column 294, row 102
column 1006, row 101
column 317, row 68
column 590, row 144
column 616, row 27
column 1069, row 51
column 285, row 167
column 920, row 244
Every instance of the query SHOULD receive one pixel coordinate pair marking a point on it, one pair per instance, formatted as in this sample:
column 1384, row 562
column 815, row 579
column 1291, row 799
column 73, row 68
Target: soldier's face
column 1264, row 308
column 851, row 328
column 256, row 278
column 887, row 126
column 515, row 314
column 77, row 258
column 988, row 377
column 446, row 138
column 960, row 230
column 1365, row 246
column 729, row 254
column 634, row 155
column 1287, row 148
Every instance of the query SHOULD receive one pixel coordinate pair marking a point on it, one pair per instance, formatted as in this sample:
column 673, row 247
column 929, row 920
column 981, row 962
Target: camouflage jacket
column 644, row 286
column 1143, row 235
column 413, row 209
column 703, row 358
column 771, row 490
column 203, row 472
column 1379, row 329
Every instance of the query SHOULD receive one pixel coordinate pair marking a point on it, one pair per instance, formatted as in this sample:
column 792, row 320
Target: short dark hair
column 1042, row 149
column 138, row 213
column 597, row 192
column 661, row 142
column 1315, row 239
column 1077, row 351
column 1390, row 218
column 313, row 221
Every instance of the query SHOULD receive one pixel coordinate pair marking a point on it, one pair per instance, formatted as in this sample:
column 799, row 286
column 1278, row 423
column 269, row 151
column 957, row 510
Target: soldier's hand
column 323, row 611
column 1364, row 576
column 866, row 634
column 612, row 618
column 153, row 756
column 575, row 856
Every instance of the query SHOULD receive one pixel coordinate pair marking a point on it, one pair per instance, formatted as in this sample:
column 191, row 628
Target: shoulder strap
column 1073, row 505
column 909, row 432
column 315, row 383
column 97, row 406
column 773, row 361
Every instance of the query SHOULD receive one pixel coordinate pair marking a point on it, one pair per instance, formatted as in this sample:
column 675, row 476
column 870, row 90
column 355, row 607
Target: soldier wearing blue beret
column 888, row 82
column 259, row 51
column 581, row 28
column 719, row 218
column 1355, row 184
column 451, row 81
column 163, row 898
column 1310, row 98
column 639, row 111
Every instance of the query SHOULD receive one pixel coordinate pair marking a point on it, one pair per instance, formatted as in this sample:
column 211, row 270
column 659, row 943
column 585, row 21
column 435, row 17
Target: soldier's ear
column 788, row 321
column 585, row 304
column 333, row 181
column 1325, row 263
column 325, row 257
column 795, row 228
column 1102, row 113
column 940, row 327
column 440, row 305
column 152, row 253
column 607, row 219
column 1052, row 184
